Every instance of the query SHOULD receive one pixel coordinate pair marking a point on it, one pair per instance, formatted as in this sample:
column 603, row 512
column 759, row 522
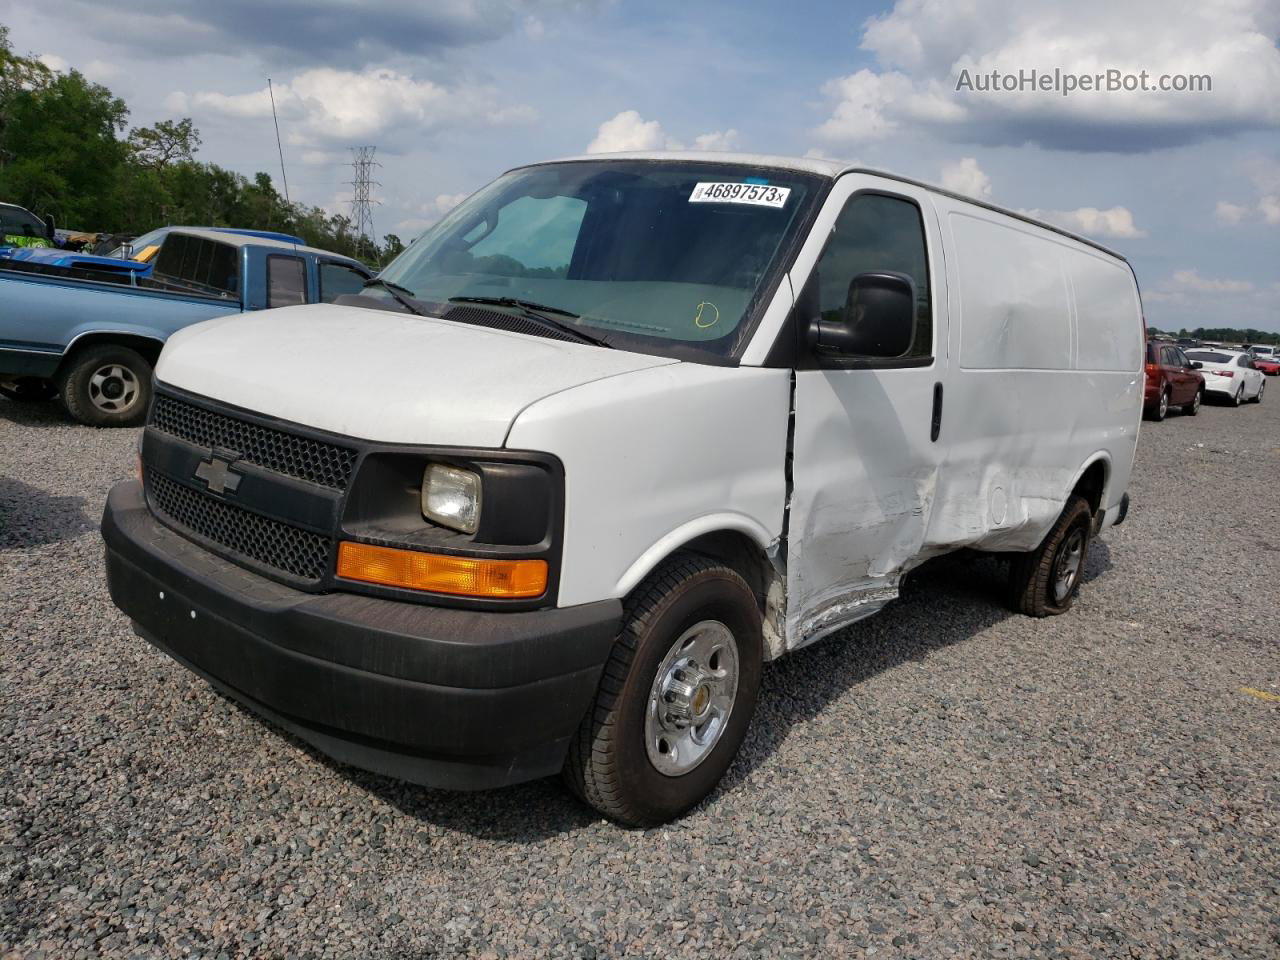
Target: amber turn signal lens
column 461, row 576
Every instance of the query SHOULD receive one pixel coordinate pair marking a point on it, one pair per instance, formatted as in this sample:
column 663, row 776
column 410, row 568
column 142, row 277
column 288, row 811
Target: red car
column 1268, row 365
column 1172, row 381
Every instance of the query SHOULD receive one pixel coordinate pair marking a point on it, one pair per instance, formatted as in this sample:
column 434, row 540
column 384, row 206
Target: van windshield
column 666, row 257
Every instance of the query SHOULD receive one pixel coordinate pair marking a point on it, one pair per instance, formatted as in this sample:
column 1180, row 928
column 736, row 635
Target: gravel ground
column 944, row 780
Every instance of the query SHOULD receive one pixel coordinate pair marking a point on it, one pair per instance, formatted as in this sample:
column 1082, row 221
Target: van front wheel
column 1045, row 581
column 676, row 696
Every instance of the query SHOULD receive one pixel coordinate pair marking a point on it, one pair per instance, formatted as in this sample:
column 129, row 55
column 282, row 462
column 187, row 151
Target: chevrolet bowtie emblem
column 217, row 473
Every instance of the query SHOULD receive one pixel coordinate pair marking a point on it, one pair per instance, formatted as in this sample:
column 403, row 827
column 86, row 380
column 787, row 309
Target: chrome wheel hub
column 691, row 698
column 1070, row 560
column 113, row 388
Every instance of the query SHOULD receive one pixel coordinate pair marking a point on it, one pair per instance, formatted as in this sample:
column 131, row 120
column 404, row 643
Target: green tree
column 169, row 141
column 392, row 246
column 64, row 155
column 18, row 75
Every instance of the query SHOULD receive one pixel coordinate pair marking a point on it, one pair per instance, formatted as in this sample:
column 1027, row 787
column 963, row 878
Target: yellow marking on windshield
column 698, row 317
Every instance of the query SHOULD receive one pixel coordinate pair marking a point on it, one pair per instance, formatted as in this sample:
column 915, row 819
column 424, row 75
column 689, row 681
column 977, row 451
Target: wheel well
column 741, row 553
column 148, row 347
column 1092, row 484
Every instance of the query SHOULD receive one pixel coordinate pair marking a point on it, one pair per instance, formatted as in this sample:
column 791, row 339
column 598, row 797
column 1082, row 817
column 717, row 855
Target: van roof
column 826, row 168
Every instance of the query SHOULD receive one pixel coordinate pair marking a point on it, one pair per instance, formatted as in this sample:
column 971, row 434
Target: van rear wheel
column 676, row 696
column 1045, row 581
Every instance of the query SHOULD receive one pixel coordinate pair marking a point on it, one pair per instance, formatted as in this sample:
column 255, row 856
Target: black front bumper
column 461, row 699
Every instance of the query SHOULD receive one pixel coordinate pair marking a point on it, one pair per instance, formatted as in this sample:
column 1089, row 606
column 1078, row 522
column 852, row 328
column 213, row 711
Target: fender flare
column 687, row 532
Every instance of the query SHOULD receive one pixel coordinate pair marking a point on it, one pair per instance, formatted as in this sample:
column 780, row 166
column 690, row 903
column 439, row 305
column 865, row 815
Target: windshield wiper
column 398, row 293
column 537, row 311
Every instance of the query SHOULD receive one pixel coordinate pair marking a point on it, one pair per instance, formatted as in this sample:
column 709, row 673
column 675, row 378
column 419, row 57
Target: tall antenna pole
column 279, row 149
column 362, row 184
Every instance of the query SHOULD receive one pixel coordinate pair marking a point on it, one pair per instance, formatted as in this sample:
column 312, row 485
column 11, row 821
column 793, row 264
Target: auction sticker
column 756, row 194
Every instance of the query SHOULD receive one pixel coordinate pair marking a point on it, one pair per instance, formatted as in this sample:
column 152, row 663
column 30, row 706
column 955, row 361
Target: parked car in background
column 20, row 228
column 1230, row 374
column 93, row 336
column 1172, row 381
column 613, row 432
column 133, row 259
column 1267, row 365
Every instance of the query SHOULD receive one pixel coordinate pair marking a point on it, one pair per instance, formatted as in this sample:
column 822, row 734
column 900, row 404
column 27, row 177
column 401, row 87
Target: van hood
column 382, row 376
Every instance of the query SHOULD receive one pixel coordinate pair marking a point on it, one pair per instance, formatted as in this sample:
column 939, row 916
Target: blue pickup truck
column 93, row 336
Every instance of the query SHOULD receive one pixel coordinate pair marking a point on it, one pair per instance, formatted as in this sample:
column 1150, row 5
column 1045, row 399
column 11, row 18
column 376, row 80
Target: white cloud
column 447, row 201
column 326, row 106
column 717, row 140
column 967, row 177
column 54, row 62
column 1191, row 281
column 1115, row 222
column 1269, row 207
column 922, row 47
column 1230, row 212
column 630, row 131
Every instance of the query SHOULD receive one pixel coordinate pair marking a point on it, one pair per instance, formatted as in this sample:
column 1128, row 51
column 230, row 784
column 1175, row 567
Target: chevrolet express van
column 545, row 495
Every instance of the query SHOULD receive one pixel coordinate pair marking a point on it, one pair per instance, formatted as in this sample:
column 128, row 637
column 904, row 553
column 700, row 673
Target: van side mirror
column 49, row 228
column 878, row 321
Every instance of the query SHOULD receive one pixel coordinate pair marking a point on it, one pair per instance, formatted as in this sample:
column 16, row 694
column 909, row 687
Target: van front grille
column 243, row 533
column 305, row 458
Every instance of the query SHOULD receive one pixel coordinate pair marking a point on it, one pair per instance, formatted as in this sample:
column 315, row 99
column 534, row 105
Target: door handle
column 935, row 425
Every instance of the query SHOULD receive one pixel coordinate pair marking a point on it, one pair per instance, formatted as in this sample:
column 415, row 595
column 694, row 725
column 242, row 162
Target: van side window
column 876, row 233
column 337, row 279
column 286, row 281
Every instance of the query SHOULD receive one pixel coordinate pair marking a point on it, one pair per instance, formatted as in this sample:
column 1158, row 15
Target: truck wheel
column 1192, row 408
column 107, row 386
column 676, row 696
column 1045, row 581
column 28, row 390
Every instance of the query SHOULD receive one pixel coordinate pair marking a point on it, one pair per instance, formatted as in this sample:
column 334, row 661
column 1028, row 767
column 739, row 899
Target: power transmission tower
column 362, row 201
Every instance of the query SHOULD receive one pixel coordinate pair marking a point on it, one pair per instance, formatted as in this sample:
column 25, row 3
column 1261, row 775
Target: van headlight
column 451, row 497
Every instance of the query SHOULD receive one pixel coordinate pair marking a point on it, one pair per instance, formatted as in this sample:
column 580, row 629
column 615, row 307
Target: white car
column 1231, row 374
column 613, row 432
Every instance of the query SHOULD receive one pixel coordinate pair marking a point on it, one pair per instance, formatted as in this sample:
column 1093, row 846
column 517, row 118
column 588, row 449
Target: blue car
column 93, row 336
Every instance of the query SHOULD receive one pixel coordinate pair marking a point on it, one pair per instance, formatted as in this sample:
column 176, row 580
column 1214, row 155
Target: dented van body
column 690, row 412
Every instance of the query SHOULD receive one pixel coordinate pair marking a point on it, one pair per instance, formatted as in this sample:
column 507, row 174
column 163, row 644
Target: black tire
column 89, row 402
column 1238, row 397
column 1258, row 398
column 29, row 390
column 1192, row 408
column 608, row 765
column 1033, row 577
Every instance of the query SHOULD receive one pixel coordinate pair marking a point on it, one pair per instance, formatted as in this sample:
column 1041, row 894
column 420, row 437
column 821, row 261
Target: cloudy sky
column 453, row 92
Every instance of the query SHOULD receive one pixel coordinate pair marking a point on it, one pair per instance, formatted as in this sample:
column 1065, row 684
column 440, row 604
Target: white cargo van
column 617, row 430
